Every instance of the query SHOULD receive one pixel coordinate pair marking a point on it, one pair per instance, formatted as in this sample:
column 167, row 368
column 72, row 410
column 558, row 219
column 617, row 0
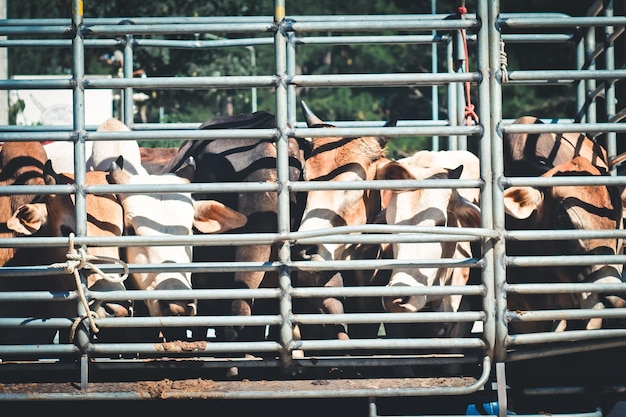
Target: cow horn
column 311, row 118
column 391, row 122
column 617, row 160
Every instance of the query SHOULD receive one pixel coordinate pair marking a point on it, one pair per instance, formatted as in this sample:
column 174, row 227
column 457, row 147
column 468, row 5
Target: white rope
column 503, row 63
column 78, row 260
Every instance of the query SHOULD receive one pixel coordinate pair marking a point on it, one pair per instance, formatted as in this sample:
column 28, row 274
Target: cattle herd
column 167, row 213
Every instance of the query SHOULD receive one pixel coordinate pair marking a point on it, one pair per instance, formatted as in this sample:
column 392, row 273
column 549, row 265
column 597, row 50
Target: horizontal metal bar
column 382, row 80
column 562, row 127
column 567, row 336
column 182, row 28
column 565, row 22
column 381, row 24
column 542, row 76
column 564, row 288
column 426, row 343
column 565, row 314
column 564, row 260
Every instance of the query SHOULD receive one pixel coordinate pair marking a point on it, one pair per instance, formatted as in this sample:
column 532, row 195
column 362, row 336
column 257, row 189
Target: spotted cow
column 337, row 159
column 54, row 215
column 580, row 207
column 154, row 214
column 434, row 207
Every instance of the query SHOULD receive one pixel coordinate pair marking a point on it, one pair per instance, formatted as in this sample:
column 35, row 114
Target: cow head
column 339, row 159
column 153, row 214
column 55, row 215
column 581, row 207
column 427, row 207
column 21, row 163
column 336, row 159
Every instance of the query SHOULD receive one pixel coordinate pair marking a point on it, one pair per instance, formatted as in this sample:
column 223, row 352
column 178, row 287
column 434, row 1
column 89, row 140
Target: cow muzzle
column 176, row 307
column 404, row 304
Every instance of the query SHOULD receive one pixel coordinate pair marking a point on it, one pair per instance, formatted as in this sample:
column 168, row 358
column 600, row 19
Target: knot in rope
column 503, row 64
column 77, row 260
column 470, row 115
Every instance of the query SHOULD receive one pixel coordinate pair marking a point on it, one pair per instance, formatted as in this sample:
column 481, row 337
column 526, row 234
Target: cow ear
column 520, row 202
column 28, row 218
column 385, row 195
column 393, row 171
column 214, row 217
column 116, row 173
column 455, row 174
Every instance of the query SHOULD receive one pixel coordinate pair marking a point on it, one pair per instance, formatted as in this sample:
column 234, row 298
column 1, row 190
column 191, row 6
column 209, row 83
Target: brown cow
column 531, row 155
column 55, row 216
column 583, row 207
column 337, row 159
column 21, row 163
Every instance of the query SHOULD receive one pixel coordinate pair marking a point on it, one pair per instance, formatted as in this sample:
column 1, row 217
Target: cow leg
column 332, row 305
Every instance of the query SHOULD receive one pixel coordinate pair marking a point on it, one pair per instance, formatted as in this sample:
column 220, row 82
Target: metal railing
column 487, row 30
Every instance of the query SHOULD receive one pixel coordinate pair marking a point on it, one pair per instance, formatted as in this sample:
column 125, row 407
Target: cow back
column 531, row 155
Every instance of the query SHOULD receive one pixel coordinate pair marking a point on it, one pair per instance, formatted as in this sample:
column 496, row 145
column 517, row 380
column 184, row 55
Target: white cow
column 61, row 154
column 431, row 207
column 160, row 214
column 103, row 153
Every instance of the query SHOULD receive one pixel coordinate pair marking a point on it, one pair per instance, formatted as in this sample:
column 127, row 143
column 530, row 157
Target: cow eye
column 562, row 219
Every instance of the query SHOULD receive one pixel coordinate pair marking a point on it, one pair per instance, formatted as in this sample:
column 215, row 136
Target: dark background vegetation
column 342, row 103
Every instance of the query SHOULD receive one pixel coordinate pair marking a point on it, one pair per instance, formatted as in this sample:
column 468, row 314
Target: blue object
column 485, row 409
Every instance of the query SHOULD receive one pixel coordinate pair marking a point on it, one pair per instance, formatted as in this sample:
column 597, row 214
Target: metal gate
column 287, row 368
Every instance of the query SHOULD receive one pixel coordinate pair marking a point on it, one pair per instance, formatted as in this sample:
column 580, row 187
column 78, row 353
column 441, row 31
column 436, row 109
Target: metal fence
column 486, row 353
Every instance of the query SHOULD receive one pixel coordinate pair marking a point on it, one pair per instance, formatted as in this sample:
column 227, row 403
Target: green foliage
column 14, row 110
column 332, row 104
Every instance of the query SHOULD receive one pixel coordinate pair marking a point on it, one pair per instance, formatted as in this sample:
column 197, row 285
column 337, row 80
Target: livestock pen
column 576, row 372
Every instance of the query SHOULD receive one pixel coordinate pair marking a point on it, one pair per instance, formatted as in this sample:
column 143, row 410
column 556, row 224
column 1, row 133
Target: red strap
column 470, row 115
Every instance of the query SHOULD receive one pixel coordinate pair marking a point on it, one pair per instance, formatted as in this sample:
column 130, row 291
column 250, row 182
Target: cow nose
column 303, row 252
column 407, row 303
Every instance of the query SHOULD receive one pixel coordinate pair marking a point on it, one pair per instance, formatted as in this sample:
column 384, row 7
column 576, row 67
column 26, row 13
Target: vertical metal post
column 78, row 67
column 486, row 170
column 435, row 88
column 282, row 166
column 610, row 102
column 497, row 166
column 292, row 104
column 4, row 71
column 590, row 84
column 253, row 90
column 580, row 85
column 452, row 96
column 128, row 73
column 460, row 62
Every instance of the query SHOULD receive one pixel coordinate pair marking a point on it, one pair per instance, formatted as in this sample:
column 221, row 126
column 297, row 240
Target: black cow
column 237, row 161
